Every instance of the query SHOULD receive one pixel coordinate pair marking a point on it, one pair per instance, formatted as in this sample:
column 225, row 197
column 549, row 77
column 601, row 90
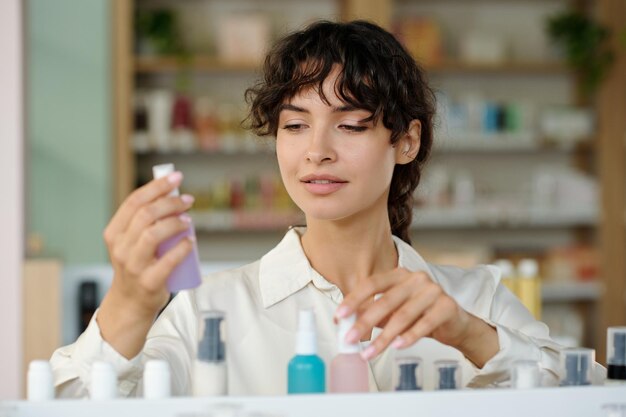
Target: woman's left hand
column 411, row 306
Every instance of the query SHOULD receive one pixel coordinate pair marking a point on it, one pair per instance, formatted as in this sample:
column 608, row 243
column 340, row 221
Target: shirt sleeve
column 521, row 337
column 171, row 338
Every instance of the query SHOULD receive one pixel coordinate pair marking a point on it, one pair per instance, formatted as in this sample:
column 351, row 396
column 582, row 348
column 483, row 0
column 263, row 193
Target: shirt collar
column 285, row 269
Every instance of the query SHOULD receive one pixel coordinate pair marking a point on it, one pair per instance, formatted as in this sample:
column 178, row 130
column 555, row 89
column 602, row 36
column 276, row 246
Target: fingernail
column 175, row 177
column 352, row 336
column 342, row 312
column 192, row 238
column 397, row 343
column 187, row 198
column 368, row 353
column 185, row 218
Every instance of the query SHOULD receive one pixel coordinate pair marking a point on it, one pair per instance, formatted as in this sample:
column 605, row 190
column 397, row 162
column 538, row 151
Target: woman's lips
column 323, row 186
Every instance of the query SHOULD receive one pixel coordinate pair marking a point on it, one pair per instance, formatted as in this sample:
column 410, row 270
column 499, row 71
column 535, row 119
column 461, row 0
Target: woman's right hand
column 144, row 220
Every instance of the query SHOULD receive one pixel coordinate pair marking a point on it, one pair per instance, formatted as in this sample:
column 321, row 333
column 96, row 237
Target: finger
column 150, row 213
column 442, row 311
column 156, row 275
column 144, row 251
column 367, row 289
column 378, row 310
column 141, row 196
column 401, row 320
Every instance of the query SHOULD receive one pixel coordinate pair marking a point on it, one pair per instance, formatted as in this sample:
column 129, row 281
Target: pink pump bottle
column 187, row 274
column 348, row 370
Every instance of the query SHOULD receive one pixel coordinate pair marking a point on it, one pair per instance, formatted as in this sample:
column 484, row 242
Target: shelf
column 197, row 63
column 497, row 143
column 505, row 68
column 244, row 221
column 208, row 64
column 432, row 218
column 468, row 218
column 571, row 291
column 503, row 143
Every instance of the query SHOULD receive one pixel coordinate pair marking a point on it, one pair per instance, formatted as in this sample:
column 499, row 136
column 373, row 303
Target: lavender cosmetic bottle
column 187, row 274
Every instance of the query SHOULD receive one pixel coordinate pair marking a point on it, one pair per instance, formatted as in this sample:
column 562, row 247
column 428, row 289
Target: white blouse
column 261, row 301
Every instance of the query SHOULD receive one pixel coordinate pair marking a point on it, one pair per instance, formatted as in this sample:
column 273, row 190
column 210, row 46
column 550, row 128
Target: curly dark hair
column 377, row 74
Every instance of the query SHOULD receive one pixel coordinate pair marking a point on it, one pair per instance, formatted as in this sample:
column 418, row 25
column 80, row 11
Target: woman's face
column 333, row 164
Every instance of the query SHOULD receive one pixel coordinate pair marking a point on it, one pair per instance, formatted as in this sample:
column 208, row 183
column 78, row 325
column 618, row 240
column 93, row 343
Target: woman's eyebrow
column 292, row 108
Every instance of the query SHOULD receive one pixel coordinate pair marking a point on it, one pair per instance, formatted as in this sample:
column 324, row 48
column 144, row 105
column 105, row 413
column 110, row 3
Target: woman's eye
column 294, row 127
column 351, row 128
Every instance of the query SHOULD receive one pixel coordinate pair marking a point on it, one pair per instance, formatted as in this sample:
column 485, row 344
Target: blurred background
column 528, row 161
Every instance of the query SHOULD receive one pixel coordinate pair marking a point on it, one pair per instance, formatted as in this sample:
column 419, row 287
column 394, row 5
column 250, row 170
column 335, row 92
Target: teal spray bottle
column 306, row 372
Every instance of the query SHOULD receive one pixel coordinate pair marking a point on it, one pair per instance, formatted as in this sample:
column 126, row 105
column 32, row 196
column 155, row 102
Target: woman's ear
column 408, row 145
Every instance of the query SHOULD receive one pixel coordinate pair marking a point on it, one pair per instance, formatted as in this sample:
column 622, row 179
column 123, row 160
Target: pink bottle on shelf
column 187, row 274
column 348, row 370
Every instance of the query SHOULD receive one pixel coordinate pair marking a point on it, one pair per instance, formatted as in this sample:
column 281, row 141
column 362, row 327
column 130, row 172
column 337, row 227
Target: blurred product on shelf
column 473, row 119
column 546, row 196
column 572, row 263
column 566, row 124
column 243, row 37
column 508, row 274
column 483, row 48
column 529, row 286
column 251, row 203
column 422, row 38
column 164, row 122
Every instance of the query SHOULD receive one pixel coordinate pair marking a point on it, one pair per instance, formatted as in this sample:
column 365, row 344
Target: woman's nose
column 320, row 147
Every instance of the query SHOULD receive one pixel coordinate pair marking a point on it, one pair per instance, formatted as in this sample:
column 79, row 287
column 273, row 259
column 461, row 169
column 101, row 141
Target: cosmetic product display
column 103, row 381
column 40, row 382
column 156, row 380
column 616, row 356
column 447, row 374
column 187, row 274
column 348, row 370
column 525, row 374
column 209, row 369
column 408, row 374
column 576, row 366
column 306, row 371
column 529, row 286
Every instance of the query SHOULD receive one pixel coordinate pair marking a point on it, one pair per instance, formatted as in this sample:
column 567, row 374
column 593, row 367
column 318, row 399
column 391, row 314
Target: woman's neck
column 347, row 251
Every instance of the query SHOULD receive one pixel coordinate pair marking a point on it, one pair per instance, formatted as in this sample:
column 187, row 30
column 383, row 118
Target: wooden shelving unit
column 607, row 149
column 147, row 65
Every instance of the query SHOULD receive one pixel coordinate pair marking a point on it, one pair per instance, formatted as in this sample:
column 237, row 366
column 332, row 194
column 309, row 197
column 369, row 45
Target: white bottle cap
column 306, row 339
column 528, row 268
column 505, row 266
column 103, row 381
column 163, row 170
column 40, row 381
column 344, row 327
column 525, row 374
column 156, row 380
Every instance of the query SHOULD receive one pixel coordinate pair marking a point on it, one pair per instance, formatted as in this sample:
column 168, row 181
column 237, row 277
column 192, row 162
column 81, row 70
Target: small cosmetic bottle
column 156, row 380
column 210, row 372
column 576, row 366
column 348, row 370
column 448, row 374
column 40, row 382
column 187, row 274
column 103, row 381
column 525, row 374
column 616, row 356
column 306, row 371
column 408, row 374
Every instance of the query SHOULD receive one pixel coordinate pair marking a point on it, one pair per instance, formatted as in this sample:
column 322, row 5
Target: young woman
column 352, row 115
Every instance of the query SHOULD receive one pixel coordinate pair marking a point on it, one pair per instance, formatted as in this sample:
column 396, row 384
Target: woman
column 352, row 115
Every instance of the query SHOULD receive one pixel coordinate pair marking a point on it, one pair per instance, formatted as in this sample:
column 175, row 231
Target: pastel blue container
column 306, row 374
